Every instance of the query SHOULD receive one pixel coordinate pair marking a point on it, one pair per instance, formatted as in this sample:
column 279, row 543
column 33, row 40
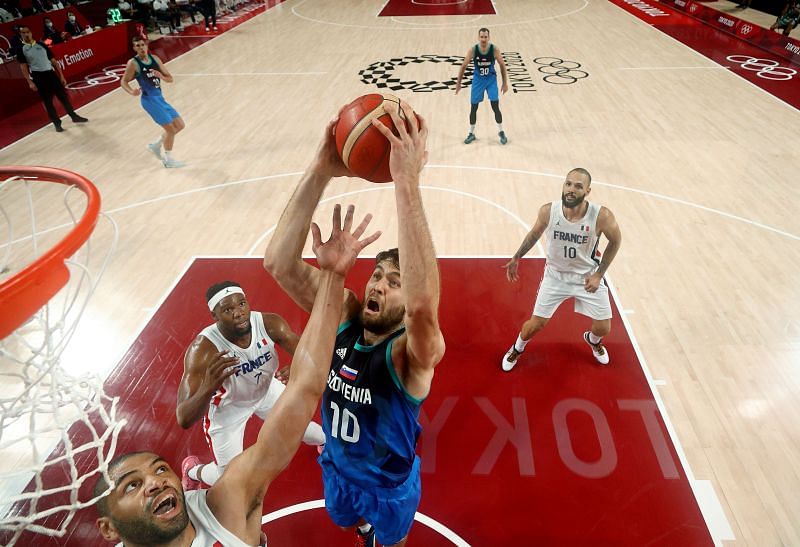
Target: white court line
column 701, row 55
column 672, row 67
column 384, row 187
column 437, row 526
column 634, row 190
column 254, row 74
column 702, row 498
column 434, row 25
column 436, row 166
column 386, row 27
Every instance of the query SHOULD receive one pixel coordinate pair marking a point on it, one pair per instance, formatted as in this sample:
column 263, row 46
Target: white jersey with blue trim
column 255, row 369
column 572, row 246
column 209, row 532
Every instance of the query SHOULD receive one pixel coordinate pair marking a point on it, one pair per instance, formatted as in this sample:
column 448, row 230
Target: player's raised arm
column 419, row 269
column 204, row 370
column 283, row 258
column 237, row 498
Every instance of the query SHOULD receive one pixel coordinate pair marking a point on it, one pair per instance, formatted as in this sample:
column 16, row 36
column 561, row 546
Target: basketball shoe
column 503, row 139
column 172, row 163
column 510, row 360
column 365, row 539
column 598, row 349
column 155, row 148
column 470, row 138
column 188, row 482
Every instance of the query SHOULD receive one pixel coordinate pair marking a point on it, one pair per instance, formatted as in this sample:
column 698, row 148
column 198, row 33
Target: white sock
column 472, row 129
column 209, row 474
column 499, row 126
column 158, row 141
column 365, row 528
column 594, row 339
column 168, row 154
column 314, row 435
column 520, row 344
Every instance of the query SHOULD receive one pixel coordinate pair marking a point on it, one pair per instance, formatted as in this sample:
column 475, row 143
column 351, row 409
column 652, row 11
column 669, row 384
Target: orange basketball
column 363, row 149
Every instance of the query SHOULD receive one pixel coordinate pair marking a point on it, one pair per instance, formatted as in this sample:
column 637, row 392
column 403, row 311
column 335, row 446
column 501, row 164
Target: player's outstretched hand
column 408, row 155
column 511, row 269
column 327, row 160
column 219, row 370
column 339, row 253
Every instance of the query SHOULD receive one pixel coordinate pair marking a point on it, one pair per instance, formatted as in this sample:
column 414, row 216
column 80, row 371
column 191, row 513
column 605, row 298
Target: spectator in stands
column 12, row 7
column 789, row 17
column 210, row 13
column 125, row 9
column 44, row 76
column 145, row 10
column 73, row 26
column 167, row 13
column 5, row 15
column 15, row 44
column 51, row 32
column 187, row 7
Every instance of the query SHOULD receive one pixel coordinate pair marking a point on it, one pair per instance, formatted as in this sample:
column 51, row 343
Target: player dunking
column 573, row 227
column 484, row 80
column 149, row 71
column 228, row 377
column 386, row 348
column 147, row 504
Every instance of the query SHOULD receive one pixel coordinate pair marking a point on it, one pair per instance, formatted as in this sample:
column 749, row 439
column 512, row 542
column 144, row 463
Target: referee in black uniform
column 44, row 76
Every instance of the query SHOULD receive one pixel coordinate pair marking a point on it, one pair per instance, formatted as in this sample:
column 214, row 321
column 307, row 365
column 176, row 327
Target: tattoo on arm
column 527, row 244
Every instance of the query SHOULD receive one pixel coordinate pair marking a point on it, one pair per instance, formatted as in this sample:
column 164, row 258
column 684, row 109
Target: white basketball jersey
column 571, row 246
column 256, row 367
column 210, row 533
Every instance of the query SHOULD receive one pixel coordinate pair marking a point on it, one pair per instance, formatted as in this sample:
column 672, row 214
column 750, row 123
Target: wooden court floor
column 699, row 166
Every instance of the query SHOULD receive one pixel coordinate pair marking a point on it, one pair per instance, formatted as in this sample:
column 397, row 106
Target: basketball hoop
column 43, row 294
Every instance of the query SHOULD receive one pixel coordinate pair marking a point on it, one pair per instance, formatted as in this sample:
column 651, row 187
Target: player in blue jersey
column 147, row 505
column 386, row 349
column 484, row 81
column 149, row 71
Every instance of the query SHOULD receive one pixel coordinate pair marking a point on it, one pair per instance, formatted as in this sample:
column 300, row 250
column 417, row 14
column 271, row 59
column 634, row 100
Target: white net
column 58, row 430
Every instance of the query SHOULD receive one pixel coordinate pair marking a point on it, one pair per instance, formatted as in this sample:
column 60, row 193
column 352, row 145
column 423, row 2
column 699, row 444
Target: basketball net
column 42, row 405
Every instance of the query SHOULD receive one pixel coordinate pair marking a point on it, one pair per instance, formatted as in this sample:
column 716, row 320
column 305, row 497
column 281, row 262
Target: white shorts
column 556, row 287
column 224, row 426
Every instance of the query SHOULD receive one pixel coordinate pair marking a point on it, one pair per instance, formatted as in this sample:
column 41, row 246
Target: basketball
column 363, row 149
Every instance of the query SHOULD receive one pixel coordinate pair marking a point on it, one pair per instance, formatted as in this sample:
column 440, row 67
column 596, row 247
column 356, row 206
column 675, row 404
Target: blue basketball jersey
column 370, row 422
column 148, row 82
column 484, row 62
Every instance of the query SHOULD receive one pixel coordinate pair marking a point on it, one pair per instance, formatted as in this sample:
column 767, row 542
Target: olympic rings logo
column 111, row 74
column 559, row 71
column 764, row 68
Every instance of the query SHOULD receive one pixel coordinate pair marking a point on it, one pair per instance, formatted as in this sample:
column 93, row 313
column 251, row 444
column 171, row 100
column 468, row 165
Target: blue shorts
column 481, row 84
column 389, row 510
column 159, row 109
